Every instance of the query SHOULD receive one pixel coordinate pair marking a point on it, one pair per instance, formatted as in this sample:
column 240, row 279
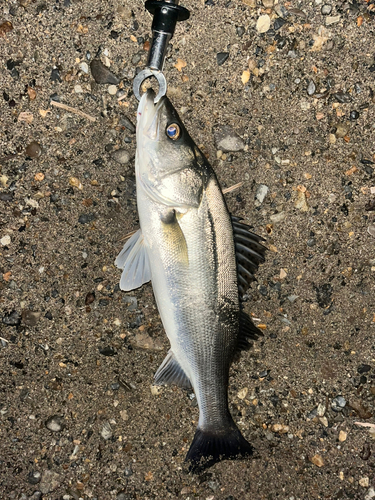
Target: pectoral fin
column 171, row 373
column 134, row 261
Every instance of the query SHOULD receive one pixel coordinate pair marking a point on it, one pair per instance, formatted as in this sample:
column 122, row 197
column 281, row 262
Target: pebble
column 301, row 202
column 144, row 341
column 342, row 97
column 321, row 409
column 102, row 74
column 156, row 390
column 363, row 368
column 37, row 495
column 86, row 218
column 326, row 9
column 5, row 240
column 280, row 428
column 280, row 216
column 240, row 30
column 112, row 89
column 6, row 196
column 226, row 139
column 341, row 130
column 279, row 23
column 107, row 351
column 50, row 481
column 311, row 88
column 34, row 477
column 90, row 297
column 263, row 23
column 33, row 150
column 364, row 481
column 83, row 66
column 243, row 393
column 342, row 436
column 78, row 89
column 30, row 318
column 55, row 423
column 131, row 301
column 371, row 230
column 332, row 20
column 125, row 122
column 370, row 494
column 317, row 460
column 261, row 192
column 12, row 319
column 354, row 115
column 106, row 431
column 221, row 57
column 121, row 156
column 55, row 75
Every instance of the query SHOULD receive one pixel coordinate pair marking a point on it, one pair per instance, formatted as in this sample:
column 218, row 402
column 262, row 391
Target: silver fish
column 200, row 261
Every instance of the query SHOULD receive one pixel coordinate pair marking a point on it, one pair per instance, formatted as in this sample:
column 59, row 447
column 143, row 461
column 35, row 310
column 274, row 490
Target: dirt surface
column 77, row 355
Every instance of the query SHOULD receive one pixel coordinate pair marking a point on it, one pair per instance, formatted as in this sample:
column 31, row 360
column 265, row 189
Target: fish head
column 169, row 165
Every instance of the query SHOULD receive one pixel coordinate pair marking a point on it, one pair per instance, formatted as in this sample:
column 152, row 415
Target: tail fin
column 209, row 447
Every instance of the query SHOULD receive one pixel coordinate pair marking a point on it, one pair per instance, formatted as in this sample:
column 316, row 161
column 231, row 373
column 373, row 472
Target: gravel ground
column 294, row 85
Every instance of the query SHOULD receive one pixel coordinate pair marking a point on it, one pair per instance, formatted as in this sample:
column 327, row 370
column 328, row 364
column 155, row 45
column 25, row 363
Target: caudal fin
column 210, row 447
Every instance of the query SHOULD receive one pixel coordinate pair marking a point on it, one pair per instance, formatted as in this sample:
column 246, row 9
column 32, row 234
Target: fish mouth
column 148, row 122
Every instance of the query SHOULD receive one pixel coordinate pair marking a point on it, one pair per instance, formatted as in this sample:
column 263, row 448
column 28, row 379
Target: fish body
column 186, row 246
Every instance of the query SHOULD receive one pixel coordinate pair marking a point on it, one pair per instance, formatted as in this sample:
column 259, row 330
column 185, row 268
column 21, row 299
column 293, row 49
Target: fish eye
column 173, row 131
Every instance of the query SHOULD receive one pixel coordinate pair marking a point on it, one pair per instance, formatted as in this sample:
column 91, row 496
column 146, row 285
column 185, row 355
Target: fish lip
column 147, row 117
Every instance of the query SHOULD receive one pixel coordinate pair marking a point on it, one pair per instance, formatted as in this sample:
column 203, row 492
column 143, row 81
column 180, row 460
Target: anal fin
column 133, row 260
column 171, row 373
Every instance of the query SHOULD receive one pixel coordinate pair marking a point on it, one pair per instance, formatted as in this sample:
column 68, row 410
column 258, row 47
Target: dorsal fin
column 249, row 254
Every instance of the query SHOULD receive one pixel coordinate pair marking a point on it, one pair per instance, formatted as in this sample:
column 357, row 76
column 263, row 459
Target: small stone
column 125, row 122
column 121, row 156
column 106, row 431
column 55, row 423
column 361, row 410
column 30, row 318
column 370, row 494
column 86, row 218
column 341, row 130
column 321, row 409
column 332, row 20
column 55, row 75
column 280, row 428
column 33, row 150
column 317, row 460
column 156, row 390
column 34, row 477
column 263, row 23
column 371, row 230
column 311, row 88
column 12, row 319
column 5, row 240
column 108, row 351
column 301, row 202
column 279, row 23
column 50, row 481
column 243, row 393
column 364, row 481
column 221, row 57
column 78, row 89
column 363, row 368
column 227, row 140
column 338, row 403
column 342, row 97
column 261, row 192
column 275, row 218
column 268, row 4
column 83, row 66
column 124, row 415
column 102, row 74
column 324, row 421
column 240, row 30
column 144, row 341
column 5, row 28
column 326, row 10
column 112, row 89
column 342, row 436
column 74, row 182
column 90, row 297
column 37, row 495
column 354, row 115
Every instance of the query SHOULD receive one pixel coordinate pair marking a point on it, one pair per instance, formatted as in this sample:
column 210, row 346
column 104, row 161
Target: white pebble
column 112, row 89
column 78, row 89
column 5, row 240
column 84, row 67
column 263, row 23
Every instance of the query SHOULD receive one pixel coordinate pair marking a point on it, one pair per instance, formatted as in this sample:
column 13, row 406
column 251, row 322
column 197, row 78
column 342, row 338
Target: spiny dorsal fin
column 171, row 373
column 249, row 254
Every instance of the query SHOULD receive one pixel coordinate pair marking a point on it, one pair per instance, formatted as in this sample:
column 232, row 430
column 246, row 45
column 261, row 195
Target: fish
column 201, row 261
